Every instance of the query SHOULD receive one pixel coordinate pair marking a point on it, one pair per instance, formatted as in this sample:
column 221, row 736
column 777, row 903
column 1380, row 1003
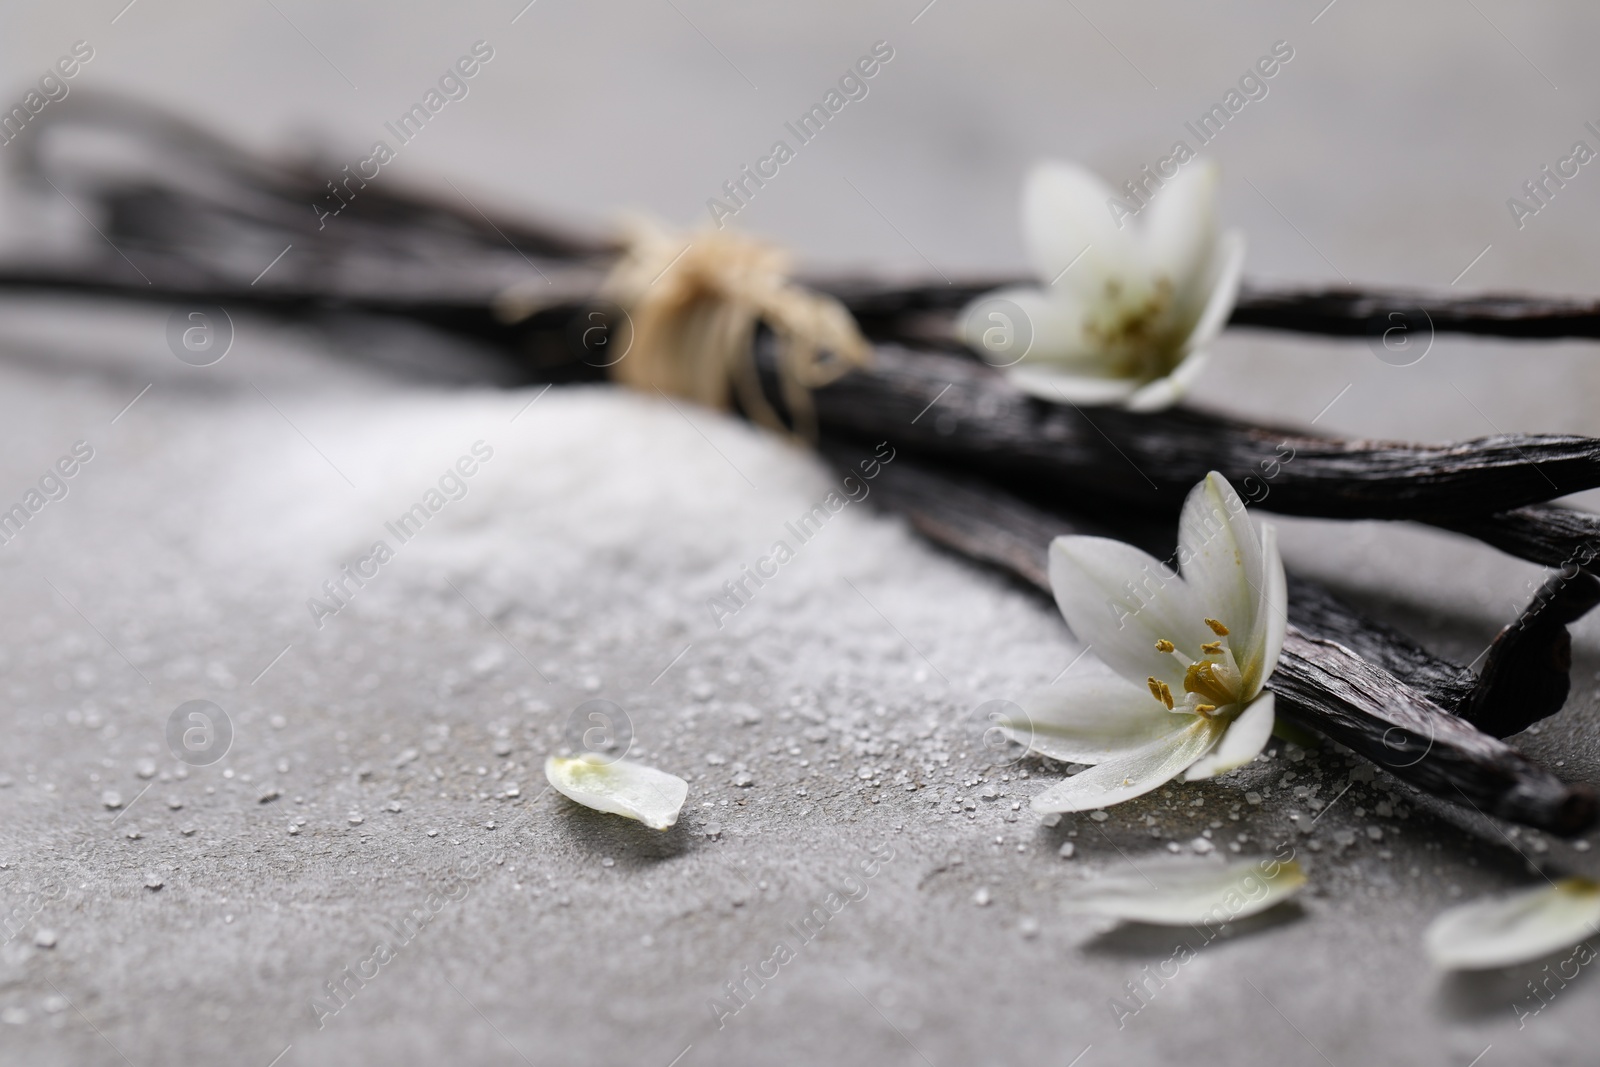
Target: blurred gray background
column 199, row 919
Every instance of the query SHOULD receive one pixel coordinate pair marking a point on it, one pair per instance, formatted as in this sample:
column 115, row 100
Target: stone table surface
column 374, row 872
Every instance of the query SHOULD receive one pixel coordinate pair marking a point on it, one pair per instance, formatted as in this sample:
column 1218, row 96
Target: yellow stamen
column 1164, row 645
column 1161, row 691
column 1217, row 628
column 1212, row 648
column 1201, row 679
column 1204, row 709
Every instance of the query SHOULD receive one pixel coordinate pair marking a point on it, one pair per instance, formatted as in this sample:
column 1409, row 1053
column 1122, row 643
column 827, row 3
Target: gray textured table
column 385, row 766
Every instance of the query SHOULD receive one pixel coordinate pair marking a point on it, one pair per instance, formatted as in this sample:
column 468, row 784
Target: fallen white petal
column 1183, row 892
column 1090, row 719
column 1131, row 774
column 619, row 787
column 1246, row 737
column 1522, row 926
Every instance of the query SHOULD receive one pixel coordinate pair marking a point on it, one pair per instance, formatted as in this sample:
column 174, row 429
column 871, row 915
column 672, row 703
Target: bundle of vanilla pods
column 990, row 473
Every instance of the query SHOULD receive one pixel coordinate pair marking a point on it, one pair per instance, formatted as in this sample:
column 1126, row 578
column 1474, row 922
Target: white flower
column 1193, row 653
column 619, row 787
column 1521, row 926
column 1175, row 892
column 1127, row 307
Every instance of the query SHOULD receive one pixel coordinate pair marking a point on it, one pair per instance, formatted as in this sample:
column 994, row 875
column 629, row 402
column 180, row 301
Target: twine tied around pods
column 696, row 301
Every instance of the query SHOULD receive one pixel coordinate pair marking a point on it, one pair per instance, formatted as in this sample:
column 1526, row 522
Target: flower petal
column 1038, row 327
column 1165, row 392
column 1183, row 892
column 1272, row 613
column 1091, row 577
column 1091, row 719
column 1222, row 561
column 619, row 787
column 1180, row 225
column 1246, row 737
column 1133, row 773
column 1064, row 213
column 1220, row 291
column 1526, row 925
column 1063, row 387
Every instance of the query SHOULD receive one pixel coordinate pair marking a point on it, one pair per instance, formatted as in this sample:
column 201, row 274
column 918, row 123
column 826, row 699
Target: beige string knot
column 695, row 302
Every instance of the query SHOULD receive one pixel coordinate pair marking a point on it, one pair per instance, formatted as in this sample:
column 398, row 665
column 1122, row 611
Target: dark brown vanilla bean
column 1319, row 613
column 924, row 312
column 1326, row 687
column 1389, row 702
column 1542, row 533
column 1528, row 671
column 958, row 410
column 1352, row 312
